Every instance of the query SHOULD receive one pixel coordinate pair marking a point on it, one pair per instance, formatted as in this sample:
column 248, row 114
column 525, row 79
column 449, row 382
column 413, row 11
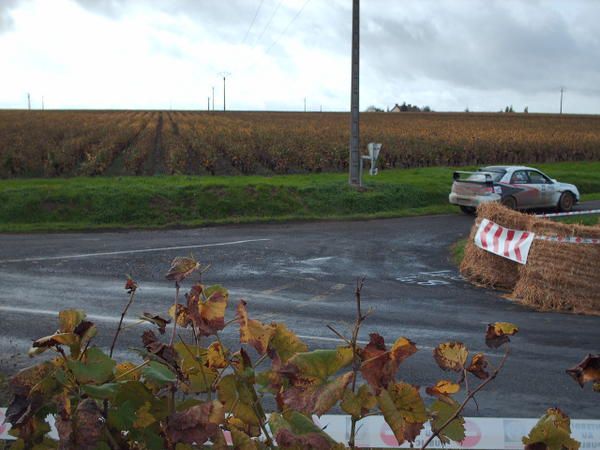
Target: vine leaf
column 552, row 432
column 68, row 320
column 451, row 356
column 88, row 430
column 310, row 389
column 443, row 388
column 498, row 333
column 158, row 373
column 181, row 268
column 285, row 342
column 95, row 368
column 403, row 410
column 586, row 370
column 239, row 399
column 358, row 405
column 295, row 430
column 197, row 424
column 252, row 331
column 379, row 366
column 317, row 365
column 74, row 331
column 157, row 320
column 126, row 368
column 441, row 412
column 215, row 356
column 208, row 316
column 478, row 365
column 180, row 314
column 192, row 362
column 316, row 398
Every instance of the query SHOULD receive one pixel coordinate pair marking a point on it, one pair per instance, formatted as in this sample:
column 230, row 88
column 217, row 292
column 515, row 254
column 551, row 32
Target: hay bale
column 485, row 268
column 561, row 276
column 558, row 276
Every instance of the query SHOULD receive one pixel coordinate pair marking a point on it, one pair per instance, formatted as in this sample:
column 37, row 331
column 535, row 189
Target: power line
column 288, row 26
column 253, row 20
column 262, row 33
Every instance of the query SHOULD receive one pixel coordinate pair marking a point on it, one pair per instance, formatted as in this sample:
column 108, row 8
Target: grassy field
column 112, row 143
column 87, row 203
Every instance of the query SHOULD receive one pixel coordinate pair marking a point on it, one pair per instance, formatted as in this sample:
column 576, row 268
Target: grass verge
column 165, row 201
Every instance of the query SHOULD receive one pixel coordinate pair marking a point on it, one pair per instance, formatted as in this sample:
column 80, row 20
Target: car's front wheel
column 566, row 202
column 467, row 209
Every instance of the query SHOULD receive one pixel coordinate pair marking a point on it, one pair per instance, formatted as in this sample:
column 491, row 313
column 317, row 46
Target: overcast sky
column 450, row 55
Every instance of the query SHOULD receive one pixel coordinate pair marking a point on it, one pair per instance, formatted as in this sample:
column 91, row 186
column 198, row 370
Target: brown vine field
column 83, row 143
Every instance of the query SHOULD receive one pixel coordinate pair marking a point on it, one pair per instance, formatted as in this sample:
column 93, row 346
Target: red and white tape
column 572, row 213
column 568, row 239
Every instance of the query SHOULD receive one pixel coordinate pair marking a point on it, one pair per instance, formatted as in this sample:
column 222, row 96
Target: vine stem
column 466, row 400
column 176, row 315
column 114, row 342
column 356, row 363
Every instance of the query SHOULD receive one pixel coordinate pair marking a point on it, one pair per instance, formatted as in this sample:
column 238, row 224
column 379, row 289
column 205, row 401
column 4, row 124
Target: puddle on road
column 435, row 278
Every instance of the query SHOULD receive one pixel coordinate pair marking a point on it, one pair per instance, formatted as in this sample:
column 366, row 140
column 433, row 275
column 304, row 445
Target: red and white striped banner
column 511, row 244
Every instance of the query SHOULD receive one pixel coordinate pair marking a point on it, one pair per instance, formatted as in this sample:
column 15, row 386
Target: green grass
column 162, row 201
column 458, row 251
column 593, row 219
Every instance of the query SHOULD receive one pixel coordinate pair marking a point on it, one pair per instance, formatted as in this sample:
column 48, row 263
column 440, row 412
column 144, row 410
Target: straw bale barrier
column 557, row 276
column 485, row 268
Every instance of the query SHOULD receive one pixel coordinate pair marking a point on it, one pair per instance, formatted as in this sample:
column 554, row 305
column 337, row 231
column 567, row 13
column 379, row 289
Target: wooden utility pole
column 354, row 161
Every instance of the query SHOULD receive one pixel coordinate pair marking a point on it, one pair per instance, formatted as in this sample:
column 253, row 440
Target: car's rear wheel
column 566, row 202
column 467, row 209
column 510, row 202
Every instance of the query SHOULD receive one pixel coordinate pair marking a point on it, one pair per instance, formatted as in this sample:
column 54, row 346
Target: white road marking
column 47, row 312
column 113, row 319
column 279, row 288
column 126, row 252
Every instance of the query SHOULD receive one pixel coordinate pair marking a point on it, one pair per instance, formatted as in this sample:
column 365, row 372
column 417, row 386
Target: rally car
column 517, row 187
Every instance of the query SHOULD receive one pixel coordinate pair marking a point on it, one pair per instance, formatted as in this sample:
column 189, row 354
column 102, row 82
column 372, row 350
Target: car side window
column 537, row 178
column 519, row 177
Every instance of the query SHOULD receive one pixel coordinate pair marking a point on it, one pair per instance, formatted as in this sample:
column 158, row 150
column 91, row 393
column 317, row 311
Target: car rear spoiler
column 489, row 180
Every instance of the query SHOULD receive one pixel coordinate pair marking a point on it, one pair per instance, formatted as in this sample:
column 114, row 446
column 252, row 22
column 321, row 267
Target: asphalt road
column 304, row 274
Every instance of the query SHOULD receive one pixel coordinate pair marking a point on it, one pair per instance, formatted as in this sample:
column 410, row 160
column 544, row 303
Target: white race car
column 517, row 187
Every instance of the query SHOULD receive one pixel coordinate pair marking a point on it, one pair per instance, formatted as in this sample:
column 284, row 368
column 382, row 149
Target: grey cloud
column 487, row 48
column 6, row 22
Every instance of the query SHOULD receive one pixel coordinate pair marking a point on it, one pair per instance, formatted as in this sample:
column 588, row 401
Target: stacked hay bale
column 485, row 268
column 561, row 276
column 557, row 276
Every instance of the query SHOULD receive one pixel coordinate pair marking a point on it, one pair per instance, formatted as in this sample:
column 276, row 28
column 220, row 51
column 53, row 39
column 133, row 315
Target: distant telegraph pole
column 28, row 101
column 42, row 102
column 208, row 106
column 562, row 89
column 354, row 162
column 213, row 97
column 304, row 104
column 224, row 75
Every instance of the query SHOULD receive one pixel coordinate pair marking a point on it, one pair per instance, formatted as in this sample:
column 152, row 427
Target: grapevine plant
column 194, row 391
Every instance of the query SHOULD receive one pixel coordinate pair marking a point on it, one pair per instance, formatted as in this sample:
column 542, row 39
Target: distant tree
column 510, row 110
column 506, row 109
column 526, row 110
column 426, row 108
column 403, row 107
column 467, row 109
column 373, row 108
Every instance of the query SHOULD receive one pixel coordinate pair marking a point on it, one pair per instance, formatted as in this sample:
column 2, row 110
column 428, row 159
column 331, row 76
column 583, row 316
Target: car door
column 543, row 186
column 525, row 194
